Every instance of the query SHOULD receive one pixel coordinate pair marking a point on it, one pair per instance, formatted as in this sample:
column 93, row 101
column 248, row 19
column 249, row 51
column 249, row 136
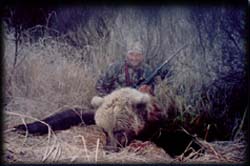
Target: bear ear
column 97, row 101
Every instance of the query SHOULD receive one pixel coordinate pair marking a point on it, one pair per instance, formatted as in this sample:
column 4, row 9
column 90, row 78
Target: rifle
column 156, row 72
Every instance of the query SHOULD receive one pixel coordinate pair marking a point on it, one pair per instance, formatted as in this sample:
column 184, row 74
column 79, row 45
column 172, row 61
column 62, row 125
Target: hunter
column 125, row 73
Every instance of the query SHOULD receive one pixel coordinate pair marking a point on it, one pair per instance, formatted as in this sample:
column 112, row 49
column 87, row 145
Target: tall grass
column 57, row 71
column 63, row 69
column 92, row 42
column 44, row 73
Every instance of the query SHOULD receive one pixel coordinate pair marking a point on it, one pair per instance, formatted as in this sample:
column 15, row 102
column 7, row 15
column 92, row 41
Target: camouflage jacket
column 120, row 74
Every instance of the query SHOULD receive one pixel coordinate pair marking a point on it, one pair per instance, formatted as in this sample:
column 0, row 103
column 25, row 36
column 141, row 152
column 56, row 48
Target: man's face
column 134, row 58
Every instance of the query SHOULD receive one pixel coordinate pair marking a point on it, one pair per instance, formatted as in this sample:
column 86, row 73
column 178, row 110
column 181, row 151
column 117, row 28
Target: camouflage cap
column 135, row 47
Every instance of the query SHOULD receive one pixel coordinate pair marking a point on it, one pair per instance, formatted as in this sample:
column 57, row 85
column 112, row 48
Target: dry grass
column 85, row 145
column 216, row 152
column 51, row 74
column 58, row 81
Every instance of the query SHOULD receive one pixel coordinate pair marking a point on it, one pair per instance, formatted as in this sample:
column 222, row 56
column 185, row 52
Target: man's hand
column 146, row 89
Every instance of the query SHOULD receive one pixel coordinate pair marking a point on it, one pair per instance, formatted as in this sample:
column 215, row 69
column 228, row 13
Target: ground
column 84, row 144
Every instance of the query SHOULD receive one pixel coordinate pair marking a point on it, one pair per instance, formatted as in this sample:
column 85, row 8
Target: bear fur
column 123, row 114
column 61, row 120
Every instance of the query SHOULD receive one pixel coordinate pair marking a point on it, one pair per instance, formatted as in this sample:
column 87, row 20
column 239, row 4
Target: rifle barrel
column 166, row 61
column 155, row 72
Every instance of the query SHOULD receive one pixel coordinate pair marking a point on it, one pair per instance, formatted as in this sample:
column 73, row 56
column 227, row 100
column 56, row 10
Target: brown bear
column 123, row 114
